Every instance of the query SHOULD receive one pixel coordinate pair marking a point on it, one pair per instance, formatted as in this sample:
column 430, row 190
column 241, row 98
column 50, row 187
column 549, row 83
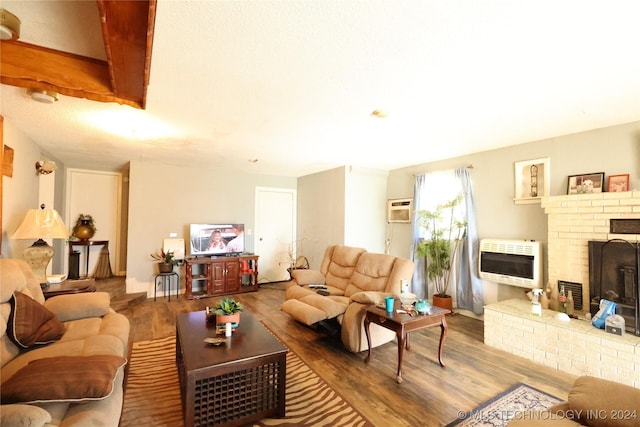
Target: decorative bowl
column 423, row 306
column 407, row 298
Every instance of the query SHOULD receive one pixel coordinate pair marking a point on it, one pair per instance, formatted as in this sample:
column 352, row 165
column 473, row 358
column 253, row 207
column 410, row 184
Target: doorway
column 275, row 233
column 97, row 193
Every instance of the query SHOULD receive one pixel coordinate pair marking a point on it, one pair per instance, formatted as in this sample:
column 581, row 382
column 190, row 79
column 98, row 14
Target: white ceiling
column 293, row 83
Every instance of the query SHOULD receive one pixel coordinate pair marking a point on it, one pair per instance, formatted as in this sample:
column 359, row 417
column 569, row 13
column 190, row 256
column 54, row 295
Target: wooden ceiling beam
column 127, row 28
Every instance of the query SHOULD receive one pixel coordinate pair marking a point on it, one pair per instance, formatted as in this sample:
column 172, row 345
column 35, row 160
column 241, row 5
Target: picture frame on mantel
column 617, row 183
column 588, row 183
column 532, row 180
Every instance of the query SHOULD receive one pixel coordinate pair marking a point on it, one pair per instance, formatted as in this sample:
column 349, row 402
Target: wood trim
column 1, row 174
column 127, row 28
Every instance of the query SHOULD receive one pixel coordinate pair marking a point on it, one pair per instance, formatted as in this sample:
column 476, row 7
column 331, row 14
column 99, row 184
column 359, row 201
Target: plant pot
column 228, row 318
column 443, row 301
column 165, row 267
column 84, row 231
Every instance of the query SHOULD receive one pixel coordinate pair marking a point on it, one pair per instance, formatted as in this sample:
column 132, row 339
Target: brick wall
column 573, row 220
column 574, row 347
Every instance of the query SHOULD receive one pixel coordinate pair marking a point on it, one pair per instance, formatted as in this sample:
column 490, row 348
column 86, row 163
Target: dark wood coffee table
column 402, row 324
column 69, row 286
column 241, row 381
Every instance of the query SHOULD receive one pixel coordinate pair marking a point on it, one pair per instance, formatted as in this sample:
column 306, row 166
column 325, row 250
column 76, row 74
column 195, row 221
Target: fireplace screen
column 613, row 275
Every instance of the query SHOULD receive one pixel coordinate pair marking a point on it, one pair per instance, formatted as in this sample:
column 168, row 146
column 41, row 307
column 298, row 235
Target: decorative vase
column 443, row 301
column 165, row 267
column 84, row 231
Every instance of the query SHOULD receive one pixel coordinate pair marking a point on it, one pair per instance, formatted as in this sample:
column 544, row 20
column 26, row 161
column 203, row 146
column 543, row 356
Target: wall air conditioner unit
column 399, row 210
column 511, row 262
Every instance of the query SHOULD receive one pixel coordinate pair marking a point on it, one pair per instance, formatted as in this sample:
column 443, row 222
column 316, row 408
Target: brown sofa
column 591, row 402
column 62, row 359
column 354, row 278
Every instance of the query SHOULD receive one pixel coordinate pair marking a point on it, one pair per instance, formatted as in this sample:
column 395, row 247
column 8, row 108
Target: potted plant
column 84, row 228
column 227, row 310
column 443, row 234
column 166, row 260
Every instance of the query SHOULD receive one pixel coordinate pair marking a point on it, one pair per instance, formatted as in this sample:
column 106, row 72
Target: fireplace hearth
column 613, row 276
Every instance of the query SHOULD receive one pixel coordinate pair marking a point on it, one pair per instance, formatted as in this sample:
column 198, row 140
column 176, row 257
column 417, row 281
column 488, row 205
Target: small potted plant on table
column 166, row 261
column 227, row 310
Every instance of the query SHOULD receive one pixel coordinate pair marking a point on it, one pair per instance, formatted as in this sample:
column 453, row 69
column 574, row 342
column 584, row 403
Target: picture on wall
column 532, row 180
column 586, row 183
column 618, row 183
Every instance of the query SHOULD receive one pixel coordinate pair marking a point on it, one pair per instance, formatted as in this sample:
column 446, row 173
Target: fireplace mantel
column 575, row 219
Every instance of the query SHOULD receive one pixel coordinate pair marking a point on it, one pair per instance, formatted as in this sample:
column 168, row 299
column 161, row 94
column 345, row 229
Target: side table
column 69, row 286
column 402, row 324
column 87, row 248
column 165, row 280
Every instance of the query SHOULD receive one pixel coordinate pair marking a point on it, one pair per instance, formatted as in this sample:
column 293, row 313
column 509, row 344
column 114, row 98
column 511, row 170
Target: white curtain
column 434, row 188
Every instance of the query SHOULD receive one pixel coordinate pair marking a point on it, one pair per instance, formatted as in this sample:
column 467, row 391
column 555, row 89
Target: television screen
column 216, row 239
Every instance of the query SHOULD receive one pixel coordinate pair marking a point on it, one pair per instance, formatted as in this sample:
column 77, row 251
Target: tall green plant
column 444, row 233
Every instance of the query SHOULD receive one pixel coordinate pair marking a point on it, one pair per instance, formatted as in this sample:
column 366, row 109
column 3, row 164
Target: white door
column 275, row 233
column 98, row 194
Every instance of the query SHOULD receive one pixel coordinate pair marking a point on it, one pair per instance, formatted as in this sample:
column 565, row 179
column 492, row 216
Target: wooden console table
column 87, row 244
column 220, row 275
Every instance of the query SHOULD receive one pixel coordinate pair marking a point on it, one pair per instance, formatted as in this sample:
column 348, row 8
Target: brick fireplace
column 573, row 221
column 574, row 347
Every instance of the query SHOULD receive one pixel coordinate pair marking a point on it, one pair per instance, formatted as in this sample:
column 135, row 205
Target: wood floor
column 429, row 396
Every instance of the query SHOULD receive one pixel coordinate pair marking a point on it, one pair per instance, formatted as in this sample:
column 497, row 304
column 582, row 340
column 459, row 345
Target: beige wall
column 321, row 207
column 365, row 208
column 613, row 150
column 165, row 199
column 346, row 206
column 20, row 192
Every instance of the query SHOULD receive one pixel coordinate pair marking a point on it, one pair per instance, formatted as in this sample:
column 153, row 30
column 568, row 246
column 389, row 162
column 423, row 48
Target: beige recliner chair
column 354, row 279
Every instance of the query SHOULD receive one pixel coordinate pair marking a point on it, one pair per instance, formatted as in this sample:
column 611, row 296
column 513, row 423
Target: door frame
column 114, row 249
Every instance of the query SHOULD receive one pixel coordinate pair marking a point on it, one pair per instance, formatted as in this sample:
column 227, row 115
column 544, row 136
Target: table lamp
column 40, row 224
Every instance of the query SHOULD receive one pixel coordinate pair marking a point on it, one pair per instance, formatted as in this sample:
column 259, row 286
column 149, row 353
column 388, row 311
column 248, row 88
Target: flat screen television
column 216, row 239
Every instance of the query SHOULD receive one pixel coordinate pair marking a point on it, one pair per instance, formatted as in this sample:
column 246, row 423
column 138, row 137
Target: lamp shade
column 41, row 224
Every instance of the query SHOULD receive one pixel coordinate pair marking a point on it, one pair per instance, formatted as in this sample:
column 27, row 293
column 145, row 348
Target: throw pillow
column 63, row 379
column 79, row 306
column 30, row 323
column 24, row 416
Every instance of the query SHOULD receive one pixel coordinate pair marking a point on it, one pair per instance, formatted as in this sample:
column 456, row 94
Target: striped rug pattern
column 152, row 395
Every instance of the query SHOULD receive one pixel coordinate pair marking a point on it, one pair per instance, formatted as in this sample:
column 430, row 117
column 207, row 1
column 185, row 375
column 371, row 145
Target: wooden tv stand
column 221, row 275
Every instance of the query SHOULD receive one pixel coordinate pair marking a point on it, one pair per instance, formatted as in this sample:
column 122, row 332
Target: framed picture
column 586, row 183
column 532, row 180
column 618, row 183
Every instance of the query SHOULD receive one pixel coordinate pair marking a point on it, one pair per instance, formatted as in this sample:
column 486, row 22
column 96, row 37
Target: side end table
column 165, row 279
column 69, row 286
column 402, row 324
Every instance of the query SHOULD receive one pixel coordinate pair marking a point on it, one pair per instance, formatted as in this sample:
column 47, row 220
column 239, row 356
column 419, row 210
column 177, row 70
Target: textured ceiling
column 293, row 83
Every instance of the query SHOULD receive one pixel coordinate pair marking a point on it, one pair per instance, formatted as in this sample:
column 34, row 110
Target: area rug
column 498, row 411
column 152, row 395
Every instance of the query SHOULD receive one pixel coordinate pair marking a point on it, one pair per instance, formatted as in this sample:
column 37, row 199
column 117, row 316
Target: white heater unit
column 511, row 262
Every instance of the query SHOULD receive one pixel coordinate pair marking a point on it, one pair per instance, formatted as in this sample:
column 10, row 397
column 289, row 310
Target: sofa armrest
column 79, row 306
column 590, row 395
column 19, row 415
column 369, row 297
column 307, row 277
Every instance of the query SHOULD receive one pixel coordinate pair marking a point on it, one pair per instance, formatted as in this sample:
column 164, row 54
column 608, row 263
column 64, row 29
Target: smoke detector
column 44, row 96
column 9, row 25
